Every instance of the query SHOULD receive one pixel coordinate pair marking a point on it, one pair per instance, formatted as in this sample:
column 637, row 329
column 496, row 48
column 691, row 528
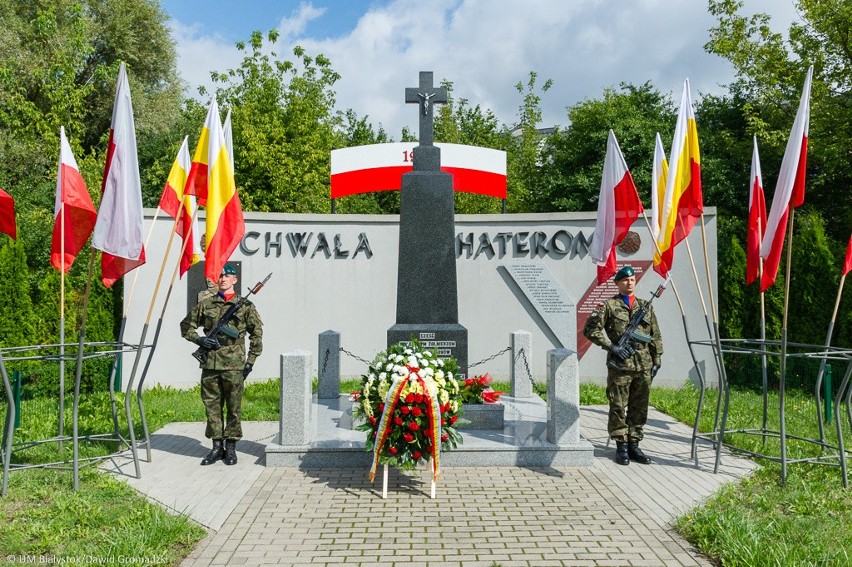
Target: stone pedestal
column 294, row 426
column 328, row 373
column 521, row 343
column 563, row 397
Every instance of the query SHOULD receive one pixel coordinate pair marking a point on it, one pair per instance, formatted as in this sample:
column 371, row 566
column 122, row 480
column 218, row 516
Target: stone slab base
column 466, row 455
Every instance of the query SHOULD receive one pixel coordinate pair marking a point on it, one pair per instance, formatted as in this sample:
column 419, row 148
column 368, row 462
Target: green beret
column 624, row 272
column 229, row 270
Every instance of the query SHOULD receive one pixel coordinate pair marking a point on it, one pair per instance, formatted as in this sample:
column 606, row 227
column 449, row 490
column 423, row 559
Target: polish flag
column 74, row 213
column 847, row 265
column 756, row 218
column 119, row 226
column 618, row 207
column 380, row 167
column 790, row 188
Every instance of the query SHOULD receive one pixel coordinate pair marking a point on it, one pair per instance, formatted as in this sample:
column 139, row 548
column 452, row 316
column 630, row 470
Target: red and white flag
column 7, row 215
column 790, row 188
column 74, row 214
column 847, row 264
column 119, row 227
column 380, row 167
column 756, row 218
column 618, row 207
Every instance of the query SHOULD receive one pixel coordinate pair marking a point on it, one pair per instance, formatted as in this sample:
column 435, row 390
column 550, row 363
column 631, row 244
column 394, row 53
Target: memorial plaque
column 549, row 299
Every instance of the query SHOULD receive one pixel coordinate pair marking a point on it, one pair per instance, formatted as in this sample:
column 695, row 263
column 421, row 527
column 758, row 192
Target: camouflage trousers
column 628, row 393
column 222, row 391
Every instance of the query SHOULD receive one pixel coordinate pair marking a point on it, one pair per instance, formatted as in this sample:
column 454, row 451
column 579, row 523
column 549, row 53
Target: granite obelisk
column 427, row 295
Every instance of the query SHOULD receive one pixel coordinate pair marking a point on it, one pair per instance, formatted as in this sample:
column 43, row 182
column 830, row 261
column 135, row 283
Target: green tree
column 525, row 148
column 572, row 172
column 16, row 308
column 770, row 72
column 283, row 126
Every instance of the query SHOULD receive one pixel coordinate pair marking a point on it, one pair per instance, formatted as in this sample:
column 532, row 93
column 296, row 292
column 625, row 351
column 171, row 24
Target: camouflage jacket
column 609, row 321
column 246, row 321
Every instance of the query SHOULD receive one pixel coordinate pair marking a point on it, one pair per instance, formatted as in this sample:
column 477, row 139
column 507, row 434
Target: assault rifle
column 221, row 325
column 631, row 334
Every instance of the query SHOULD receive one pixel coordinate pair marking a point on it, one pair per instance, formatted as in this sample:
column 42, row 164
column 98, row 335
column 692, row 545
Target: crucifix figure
column 426, row 96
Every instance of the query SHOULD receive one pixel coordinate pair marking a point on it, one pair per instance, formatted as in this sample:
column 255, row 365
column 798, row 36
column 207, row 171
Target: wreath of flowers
column 410, row 402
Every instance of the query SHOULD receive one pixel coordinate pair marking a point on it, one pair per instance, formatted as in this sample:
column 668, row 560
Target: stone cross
column 426, row 96
column 427, row 291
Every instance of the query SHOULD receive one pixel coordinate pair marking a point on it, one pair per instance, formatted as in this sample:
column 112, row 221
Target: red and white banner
column 380, row 167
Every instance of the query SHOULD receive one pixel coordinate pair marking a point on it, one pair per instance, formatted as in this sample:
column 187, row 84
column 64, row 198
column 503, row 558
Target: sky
column 483, row 47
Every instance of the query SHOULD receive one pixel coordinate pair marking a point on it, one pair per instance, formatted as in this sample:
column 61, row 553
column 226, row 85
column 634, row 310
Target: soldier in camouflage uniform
column 227, row 366
column 630, row 369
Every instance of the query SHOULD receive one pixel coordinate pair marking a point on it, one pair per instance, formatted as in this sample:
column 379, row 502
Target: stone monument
column 427, row 294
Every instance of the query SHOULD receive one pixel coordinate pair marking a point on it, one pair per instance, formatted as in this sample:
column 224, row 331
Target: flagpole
column 783, row 372
column 61, row 313
column 138, row 356
column 120, row 340
column 157, row 335
column 701, row 382
column 136, row 275
column 78, row 373
column 763, row 365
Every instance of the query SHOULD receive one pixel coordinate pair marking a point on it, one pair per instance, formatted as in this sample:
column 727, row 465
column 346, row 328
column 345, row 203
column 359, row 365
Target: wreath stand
column 385, row 485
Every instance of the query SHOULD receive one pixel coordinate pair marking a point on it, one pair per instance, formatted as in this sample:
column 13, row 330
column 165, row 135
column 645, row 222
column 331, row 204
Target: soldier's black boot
column 217, row 453
column 230, row 452
column 636, row 454
column 621, row 453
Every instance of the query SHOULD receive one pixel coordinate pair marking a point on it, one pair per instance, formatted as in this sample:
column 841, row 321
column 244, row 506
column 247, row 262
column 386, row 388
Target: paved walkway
column 605, row 514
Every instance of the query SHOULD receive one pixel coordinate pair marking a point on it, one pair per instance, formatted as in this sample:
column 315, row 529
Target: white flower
column 439, row 375
column 389, row 367
column 383, row 376
column 412, row 361
column 407, row 351
column 440, row 363
column 427, row 371
column 398, row 358
column 444, row 396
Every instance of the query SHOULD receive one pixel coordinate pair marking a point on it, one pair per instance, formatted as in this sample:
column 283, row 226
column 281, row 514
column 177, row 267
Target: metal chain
column 492, row 357
column 522, row 354
column 325, row 361
column 355, row 356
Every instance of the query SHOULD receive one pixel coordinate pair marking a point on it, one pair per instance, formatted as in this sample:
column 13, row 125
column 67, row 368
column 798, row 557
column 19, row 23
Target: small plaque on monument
column 427, row 293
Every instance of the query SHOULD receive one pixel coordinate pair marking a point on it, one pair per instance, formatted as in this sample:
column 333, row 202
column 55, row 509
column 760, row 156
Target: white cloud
column 485, row 47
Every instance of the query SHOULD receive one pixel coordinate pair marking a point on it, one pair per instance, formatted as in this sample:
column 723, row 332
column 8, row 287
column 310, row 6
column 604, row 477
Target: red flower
column 397, row 420
column 413, row 426
column 484, row 380
column 408, row 437
column 381, row 407
column 453, row 419
column 418, row 398
column 445, row 437
column 393, row 450
column 356, row 395
column 443, row 421
column 372, row 420
column 404, row 410
column 416, row 455
column 490, row 397
column 416, row 411
column 409, row 398
column 469, row 381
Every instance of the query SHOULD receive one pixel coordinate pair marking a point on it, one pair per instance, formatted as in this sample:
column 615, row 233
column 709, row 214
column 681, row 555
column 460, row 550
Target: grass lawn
column 757, row 521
